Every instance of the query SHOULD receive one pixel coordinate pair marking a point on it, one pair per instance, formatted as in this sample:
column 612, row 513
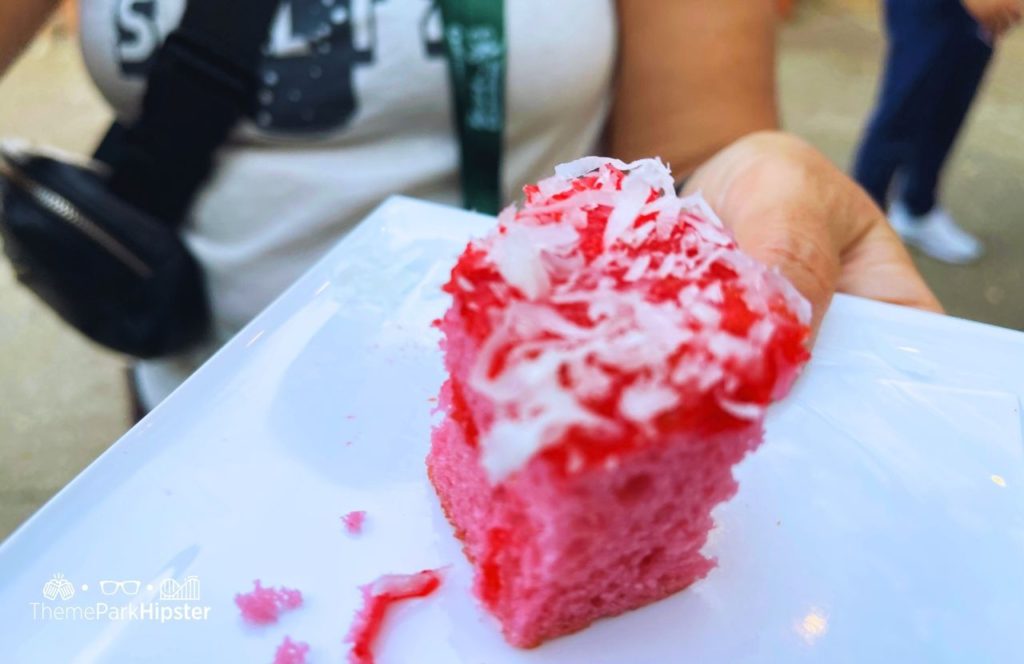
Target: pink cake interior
column 610, row 353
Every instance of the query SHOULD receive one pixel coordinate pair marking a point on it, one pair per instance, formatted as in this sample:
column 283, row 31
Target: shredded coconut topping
column 608, row 304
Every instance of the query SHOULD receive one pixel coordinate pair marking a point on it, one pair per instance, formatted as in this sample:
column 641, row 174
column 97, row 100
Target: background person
column 938, row 53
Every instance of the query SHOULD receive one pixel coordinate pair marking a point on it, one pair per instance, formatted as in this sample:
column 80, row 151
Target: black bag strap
column 202, row 82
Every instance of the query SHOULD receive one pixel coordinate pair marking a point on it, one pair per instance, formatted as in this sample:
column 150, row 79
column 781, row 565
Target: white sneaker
column 936, row 234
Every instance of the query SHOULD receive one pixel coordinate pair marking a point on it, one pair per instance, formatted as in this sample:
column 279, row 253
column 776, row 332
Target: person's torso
column 338, row 72
column 355, row 104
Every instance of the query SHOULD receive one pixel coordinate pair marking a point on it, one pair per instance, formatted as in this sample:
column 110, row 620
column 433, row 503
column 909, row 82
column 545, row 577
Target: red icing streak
column 490, row 290
column 736, row 317
column 378, row 597
column 263, row 606
column 592, row 235
column 489, row 587
column 727, row 367
column 459, row 412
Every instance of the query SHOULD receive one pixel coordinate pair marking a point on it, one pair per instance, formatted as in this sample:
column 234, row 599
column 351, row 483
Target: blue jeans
column 935, row 62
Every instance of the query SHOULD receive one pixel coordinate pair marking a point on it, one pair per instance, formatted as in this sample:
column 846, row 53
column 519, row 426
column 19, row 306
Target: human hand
column 997, row 17
column 789, row 206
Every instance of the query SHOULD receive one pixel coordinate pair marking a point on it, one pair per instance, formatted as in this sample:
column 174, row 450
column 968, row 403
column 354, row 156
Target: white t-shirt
column 355, row 105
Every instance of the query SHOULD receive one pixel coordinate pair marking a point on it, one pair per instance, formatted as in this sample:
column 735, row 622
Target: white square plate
column 882, row 519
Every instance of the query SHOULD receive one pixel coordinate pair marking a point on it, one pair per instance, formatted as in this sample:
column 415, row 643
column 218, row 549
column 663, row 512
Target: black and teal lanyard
column 474, row 33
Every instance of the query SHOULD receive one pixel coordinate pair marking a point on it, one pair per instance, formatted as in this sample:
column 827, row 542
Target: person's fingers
column 790, row 207
column 993, row 21
column 993, row 26
column 1013, row 16
column 1003, row 21
column 874, row 263
column 878, row 267
column 777, row 220
column 767, row 191
column 1006, row 19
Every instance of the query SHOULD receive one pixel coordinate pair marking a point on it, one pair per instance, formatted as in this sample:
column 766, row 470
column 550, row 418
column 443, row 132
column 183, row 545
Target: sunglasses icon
column 128, row 588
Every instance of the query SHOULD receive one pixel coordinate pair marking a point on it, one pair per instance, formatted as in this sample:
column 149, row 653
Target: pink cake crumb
column 263, row 606
column 377, row 599
column 354, row 522
column 291, row 652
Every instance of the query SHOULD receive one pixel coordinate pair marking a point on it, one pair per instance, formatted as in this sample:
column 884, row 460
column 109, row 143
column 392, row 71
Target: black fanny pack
column 117, row 274
column 99, row 242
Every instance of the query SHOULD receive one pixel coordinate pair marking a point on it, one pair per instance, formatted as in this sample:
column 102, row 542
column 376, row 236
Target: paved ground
column 62, row 400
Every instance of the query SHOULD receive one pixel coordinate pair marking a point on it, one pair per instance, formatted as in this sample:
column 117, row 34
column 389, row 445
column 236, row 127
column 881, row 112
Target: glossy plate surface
column 882, row 520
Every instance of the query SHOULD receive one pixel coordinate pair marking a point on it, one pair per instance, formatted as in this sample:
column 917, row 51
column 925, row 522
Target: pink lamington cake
column 611, row 353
